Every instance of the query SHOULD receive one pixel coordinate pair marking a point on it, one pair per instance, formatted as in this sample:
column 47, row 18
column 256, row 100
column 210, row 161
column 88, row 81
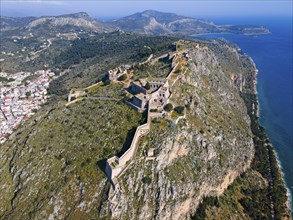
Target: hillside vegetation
column 52, row 166
column 93, row 57
column 56, row 160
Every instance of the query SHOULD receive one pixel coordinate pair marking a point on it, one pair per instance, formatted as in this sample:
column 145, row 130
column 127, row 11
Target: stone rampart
column 94, row 85
column 115, row 165
column 140, row 131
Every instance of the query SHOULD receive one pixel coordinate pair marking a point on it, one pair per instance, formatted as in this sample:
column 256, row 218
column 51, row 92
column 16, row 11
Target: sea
column 272, row 55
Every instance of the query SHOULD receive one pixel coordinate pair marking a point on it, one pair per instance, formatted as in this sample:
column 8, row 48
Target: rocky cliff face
column 199, row 156
column 50, row 175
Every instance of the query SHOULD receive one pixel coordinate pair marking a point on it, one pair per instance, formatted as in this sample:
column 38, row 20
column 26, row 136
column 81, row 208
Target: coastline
column 289, row 195
column 202, row 34
column 272, row 148
column 279, row 164
column 224, row 33
column 280, row 170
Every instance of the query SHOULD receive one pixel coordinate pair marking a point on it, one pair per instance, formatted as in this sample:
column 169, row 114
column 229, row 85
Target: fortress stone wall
column 115, row 165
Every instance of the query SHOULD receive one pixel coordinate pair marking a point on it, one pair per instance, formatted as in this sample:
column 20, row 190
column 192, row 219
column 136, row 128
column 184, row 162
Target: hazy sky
column 113, row 9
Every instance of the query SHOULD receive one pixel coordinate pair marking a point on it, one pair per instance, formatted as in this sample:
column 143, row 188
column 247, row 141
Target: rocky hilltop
column 82, row 20
column 197, row 157
column 52, row 25
column 200, row 156
column 155, row 22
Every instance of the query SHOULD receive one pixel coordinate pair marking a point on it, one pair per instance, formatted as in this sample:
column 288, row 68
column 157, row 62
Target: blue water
column 273, row 57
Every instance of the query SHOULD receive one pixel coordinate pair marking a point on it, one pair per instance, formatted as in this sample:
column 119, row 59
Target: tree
column 122, row 77
column 168, row 107
column 107, row 82
column 28, row 94
column 179, row 110
column 147, row 86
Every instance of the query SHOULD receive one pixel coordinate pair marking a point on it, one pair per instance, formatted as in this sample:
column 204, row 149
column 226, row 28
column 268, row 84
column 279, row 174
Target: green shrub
column 156, row 120
column 147, row 180
column 168, row 107
column 147, row 86
column 179, row 110
column 122, row 77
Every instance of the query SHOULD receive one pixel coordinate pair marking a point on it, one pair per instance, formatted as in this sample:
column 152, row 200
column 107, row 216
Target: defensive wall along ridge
column 116, row 165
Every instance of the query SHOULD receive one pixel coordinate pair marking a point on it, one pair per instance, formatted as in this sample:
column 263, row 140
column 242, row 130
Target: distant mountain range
column 79, row 20
column 147, row 22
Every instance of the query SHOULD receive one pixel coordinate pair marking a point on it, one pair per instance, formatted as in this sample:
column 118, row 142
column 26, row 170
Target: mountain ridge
column 147, row 22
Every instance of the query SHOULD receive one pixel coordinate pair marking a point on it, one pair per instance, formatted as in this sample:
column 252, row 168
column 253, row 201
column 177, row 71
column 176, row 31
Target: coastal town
column 21, row 95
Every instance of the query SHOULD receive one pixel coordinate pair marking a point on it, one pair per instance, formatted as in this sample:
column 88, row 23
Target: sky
column 115, row 9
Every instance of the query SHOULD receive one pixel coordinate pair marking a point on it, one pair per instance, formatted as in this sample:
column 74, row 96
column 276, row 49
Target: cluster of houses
column 20, row 96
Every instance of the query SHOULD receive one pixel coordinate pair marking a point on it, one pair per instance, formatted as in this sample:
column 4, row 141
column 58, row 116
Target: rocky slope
column 199, row 157
column 82, row 20
column 7, row 23
column 155, row 22
column 50, row 26
column 52, row 167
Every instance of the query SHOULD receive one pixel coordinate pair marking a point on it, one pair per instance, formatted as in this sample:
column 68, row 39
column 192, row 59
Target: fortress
column 144, row 99
column 150, row 94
